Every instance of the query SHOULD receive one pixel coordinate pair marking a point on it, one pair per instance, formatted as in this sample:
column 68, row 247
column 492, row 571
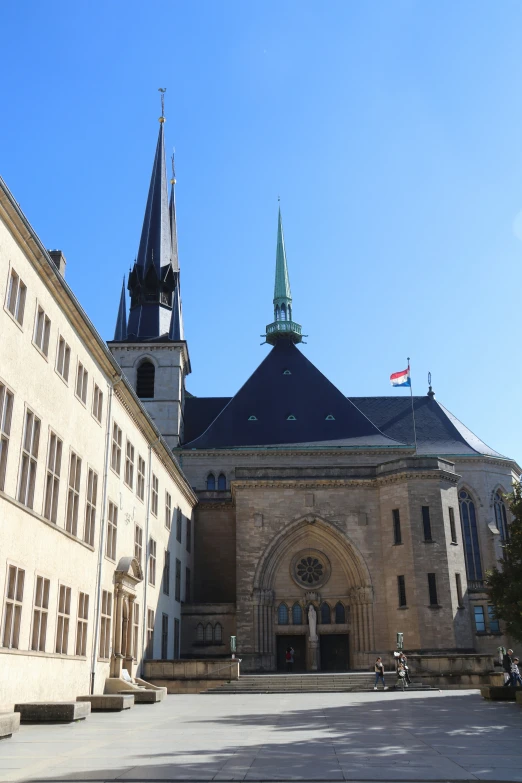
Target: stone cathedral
column 318, row 525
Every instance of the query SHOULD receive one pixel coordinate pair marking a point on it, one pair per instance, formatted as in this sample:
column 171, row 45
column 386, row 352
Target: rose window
column 309, row 570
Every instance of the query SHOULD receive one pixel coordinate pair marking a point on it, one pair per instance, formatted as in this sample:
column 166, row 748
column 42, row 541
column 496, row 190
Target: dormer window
column 291, row 417
column 287, row 372
column 252, row 418
column 330, row 417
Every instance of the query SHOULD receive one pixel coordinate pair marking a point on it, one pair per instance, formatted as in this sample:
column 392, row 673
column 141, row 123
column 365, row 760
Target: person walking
column 403, row 661
column 507, row 662
column 289, row 659
column 516, row 679
column 379, row 674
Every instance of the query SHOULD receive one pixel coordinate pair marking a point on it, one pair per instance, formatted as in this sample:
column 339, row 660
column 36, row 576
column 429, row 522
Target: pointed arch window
column 145, row 380
column 199, row 632
column 218, row 633
column 289, row 312
column 222, row 481
column 468, row 518
column 297, row 614
column 501, row 516
column 291, row 417
column 283, row 312
column 282, row 614
column 340, row 613
column 252, row 418
column 211, row 481
column 287, row 372
column 208, row 633
column 277, row 313
column 326, row 615
column 330, row 417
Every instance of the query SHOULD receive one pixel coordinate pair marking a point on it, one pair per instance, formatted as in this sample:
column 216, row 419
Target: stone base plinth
column 148, row 697
column 52, row 711
column 108, row 702
column 499, row 692
column 9, row 723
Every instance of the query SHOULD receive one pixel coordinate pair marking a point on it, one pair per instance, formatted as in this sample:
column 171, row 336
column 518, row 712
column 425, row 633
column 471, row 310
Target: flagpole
column 412, row 409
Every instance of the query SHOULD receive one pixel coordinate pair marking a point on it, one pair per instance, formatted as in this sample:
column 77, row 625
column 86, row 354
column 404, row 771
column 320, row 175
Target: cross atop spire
column 283, row 325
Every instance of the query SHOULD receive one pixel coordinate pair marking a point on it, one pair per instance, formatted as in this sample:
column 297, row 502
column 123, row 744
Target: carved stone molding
column 361, row 595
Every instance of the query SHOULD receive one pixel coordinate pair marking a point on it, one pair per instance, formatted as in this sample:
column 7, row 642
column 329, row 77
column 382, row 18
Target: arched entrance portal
column 312, row 591
column 126, row 576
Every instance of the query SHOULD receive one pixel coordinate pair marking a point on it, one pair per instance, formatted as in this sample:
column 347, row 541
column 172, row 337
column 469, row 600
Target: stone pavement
column 450, row 736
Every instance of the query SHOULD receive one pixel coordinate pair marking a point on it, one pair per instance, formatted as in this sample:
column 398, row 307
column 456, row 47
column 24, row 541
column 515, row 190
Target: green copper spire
column 283, row 325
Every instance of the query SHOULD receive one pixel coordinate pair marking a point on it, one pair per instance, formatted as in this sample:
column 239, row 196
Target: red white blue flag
column 401, row 378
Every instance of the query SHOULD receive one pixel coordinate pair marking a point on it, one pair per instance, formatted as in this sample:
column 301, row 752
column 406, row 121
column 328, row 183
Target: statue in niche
column 312, row 622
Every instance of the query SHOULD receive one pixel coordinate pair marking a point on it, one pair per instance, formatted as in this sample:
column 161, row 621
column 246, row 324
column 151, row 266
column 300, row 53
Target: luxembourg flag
column 401, row 378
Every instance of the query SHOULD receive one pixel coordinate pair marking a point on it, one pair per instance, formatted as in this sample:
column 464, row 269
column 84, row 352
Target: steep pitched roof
column 287, row 401
column 438, row 431
column 155, row 242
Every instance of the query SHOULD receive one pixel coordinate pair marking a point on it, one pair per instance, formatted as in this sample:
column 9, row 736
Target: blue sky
column 391, row 131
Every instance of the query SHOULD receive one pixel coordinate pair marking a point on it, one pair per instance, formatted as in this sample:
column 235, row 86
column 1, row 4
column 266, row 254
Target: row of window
column 221, row 481
column 426, row 525
column 15, row 304
column 138, row 554
column 327, row 614
column 432, row 590
column 479, row 614
column 133, row 468
column 63, row 644
column 209, row 634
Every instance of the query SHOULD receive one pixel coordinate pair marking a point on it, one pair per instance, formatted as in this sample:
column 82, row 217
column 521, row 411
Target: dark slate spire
column 154, row 276
column 172, row 219
column 176, row 321
column 155, row 235
column 120, row 332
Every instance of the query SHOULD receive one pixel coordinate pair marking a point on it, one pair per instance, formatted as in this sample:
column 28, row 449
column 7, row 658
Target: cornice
column 294, row 452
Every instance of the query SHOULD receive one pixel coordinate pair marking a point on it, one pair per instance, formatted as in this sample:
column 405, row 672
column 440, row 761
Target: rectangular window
column 52, row 482
column 81, row 626
column 82, row 380
column 112, row 531
column 14, row 595
column 494, row 626
column 15, row 300
column 29, row 459
column 42, row 329
column 138, row 543
column 129, row 464
column 189, row 534
column 401, row 587
column 140, row 482
column 397, row 539
column 155, row 493
column 63, row 359
column 179, row 524
column 426, row 523
column 176, row 638
column 168, row 510
column 177, row 588
column 152, row 562
column 480, row 622
column 116, row 449
column 105, row 624
column 164, row 636
column 135, row 630
column 97, row 403
column 6, row 413
column 90, row 507
column 453, row 529
column 149, row 653
column 432, row 589
column 62, row 626
column 73, row 494
column 458, row 582
column 40, row 612
column 166, row 573
column 187, row 585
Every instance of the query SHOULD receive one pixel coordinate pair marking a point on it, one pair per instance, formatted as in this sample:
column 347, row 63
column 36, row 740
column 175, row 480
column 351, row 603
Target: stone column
column 264, row 627
column 364, row 640
column 130, row 623
column 118, row 618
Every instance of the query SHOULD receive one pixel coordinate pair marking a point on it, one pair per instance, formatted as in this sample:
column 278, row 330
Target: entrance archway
column 311, row 562
column 127, row 575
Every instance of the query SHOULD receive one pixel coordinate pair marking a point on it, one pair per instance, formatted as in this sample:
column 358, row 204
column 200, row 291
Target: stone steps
column 307, row 683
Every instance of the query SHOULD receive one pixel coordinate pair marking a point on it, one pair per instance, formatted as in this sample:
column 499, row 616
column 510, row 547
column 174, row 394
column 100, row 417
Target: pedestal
column 312, row 655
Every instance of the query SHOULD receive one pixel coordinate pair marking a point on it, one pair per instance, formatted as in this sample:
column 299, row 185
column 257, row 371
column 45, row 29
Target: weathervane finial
column 162, row 90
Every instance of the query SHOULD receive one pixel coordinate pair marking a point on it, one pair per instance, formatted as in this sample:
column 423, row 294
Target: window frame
column 168, row 510
column 128, row 477
column 138, row 543
column 13, row 607
column 149, row 649
column 91, row 507
column 72, row 509
column 177, row 585
column 116, row 447
column 140, row 479
column 6, row 418
column 30, row 455
column 426, row 525
column 53, row 470
column 453, row 525
column 152, row 561
column 81, row 385
column 478, row 630
column 164, row 636
column 45, row 335
column 104, row 647
column 166, row 573
column 20, row 298
column 396, row 521
column 97, row 403
column 154, row 495
column 432, row 589
column 63, row 367
column 401, row 591
column 40, row 619
column 82, row 624
column 112, row 531
column 63, row 619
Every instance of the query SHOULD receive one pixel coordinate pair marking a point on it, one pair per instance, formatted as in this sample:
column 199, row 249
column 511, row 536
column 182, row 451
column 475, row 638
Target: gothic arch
column 128, row 567
column 145, row 357
column 498, row 488
column 355, row 568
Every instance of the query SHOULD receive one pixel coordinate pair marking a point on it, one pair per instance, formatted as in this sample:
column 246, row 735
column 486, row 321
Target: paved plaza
column 452, row 735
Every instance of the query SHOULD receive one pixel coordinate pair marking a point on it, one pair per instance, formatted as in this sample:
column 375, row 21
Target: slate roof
column 285, row 384
column 222, row 422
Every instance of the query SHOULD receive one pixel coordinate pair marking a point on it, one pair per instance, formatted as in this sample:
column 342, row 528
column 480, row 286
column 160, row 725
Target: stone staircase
column 308, row 683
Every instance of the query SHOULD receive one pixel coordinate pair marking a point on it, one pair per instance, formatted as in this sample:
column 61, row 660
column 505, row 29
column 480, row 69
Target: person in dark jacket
column 507, row 662
column 403, row 661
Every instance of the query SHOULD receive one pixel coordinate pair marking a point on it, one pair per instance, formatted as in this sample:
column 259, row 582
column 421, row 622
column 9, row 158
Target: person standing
column 516, row 679
column 379, row 674
column 289, row 659
column 403, row 661
column 507, row 662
